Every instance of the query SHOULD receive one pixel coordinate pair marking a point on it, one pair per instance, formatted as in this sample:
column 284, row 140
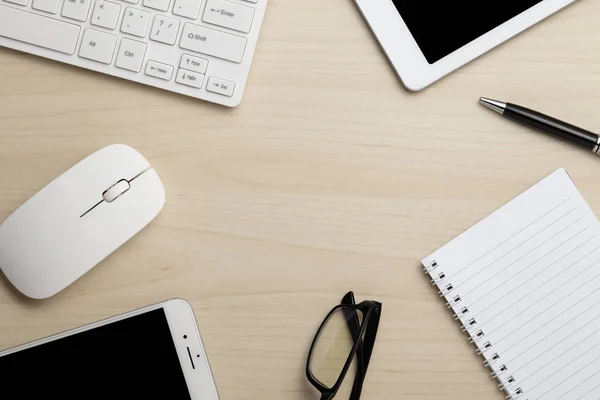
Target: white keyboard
column 199, row 48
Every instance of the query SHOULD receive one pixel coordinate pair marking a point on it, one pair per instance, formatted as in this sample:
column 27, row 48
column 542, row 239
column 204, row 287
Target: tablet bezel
column 406, row 57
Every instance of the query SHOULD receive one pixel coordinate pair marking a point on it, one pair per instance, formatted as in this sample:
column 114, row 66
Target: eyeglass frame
column 364, row 336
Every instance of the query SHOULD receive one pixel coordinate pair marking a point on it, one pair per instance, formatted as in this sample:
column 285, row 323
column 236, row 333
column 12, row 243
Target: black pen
column 547, row 124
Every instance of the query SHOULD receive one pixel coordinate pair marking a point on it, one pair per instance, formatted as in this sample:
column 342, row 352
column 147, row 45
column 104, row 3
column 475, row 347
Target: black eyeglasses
column 348, row 331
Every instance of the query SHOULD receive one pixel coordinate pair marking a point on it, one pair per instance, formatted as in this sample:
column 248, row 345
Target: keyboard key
column 228, row 15
column 189, row 78
column 214, row 43
column 49, row 6
column 18, row 2
column 131, row 55
column 252, row 1
column 106, row 14
column 220, row 86
column 192, row 63
column 76, row 9
column 162, row 5
column 164, row 30
column 135, row 22
column 159, row 70
column 131, row 1
column 48, row 33
column 98, row 46
column 187, row 8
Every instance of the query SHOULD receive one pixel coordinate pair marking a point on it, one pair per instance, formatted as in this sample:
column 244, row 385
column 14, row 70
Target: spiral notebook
column 525, row 285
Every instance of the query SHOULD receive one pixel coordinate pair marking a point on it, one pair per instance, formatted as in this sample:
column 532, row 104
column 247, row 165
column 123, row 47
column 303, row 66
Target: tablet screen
column 442, row 27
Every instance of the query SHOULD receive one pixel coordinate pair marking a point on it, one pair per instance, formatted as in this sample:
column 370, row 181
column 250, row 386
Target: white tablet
column 427, row 39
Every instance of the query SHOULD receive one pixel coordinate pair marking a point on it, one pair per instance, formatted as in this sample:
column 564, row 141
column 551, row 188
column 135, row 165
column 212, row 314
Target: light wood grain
column 329, row 177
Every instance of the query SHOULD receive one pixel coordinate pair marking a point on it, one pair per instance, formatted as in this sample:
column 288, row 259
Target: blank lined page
column 525, row 285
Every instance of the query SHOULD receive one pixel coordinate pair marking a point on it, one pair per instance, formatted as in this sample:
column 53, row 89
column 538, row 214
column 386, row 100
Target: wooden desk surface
column 329, row 177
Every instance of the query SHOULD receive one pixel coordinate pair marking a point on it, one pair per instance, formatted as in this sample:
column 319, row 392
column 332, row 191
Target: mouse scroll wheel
column 115, row 191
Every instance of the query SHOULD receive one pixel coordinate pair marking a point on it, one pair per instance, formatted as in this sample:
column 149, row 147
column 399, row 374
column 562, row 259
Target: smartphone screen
column 134, row 358
column 442, row 27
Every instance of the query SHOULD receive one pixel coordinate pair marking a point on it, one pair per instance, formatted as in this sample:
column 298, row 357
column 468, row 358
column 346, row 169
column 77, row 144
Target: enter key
column 228, row 15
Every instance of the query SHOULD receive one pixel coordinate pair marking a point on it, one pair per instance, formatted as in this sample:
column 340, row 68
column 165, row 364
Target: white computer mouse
column 80, row 218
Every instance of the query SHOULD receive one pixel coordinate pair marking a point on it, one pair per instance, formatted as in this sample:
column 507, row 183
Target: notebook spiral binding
column 499, row 371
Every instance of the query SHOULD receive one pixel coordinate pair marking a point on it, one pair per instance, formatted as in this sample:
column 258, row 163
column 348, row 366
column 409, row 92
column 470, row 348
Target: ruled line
column 560, row 327
column 530, row 265
column 543, row 284
column 569, row 377
column 516, row 247
column 512, row 236
column 589, row 391
column 557, row 357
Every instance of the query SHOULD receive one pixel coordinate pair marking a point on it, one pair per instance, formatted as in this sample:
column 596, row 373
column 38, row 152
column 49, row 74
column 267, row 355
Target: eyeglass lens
column 334, row 346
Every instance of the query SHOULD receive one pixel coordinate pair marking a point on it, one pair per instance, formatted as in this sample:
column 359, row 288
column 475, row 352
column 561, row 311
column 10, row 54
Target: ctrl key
column 220, row 86
column 189, row 78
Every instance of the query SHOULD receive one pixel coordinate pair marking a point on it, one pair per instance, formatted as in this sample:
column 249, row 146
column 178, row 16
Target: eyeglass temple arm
column 371, row 334
column 365, row 348
column 354, row 327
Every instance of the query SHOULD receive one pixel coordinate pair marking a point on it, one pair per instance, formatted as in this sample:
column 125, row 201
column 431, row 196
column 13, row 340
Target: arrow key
column 220, row 86
column 106, row 14
column 189, row 78
column 192, row 63
column 159, row 70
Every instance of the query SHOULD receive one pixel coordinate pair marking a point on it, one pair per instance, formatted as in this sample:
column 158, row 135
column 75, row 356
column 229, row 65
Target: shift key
column 213, row 43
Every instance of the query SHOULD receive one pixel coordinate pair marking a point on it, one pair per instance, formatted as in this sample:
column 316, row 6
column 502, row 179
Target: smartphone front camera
column 185, row 336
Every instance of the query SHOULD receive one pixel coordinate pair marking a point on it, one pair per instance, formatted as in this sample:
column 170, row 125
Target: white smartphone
column 425, row 39
column 152, row 353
